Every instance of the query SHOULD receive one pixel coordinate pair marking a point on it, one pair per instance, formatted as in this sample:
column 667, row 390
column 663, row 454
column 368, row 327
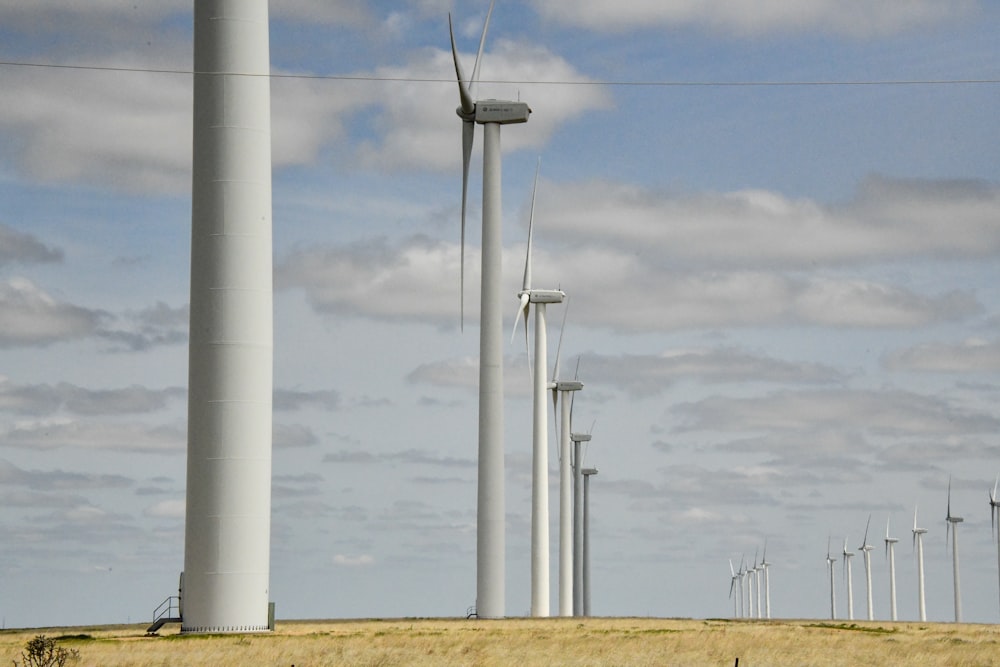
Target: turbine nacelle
column 579, row 437
column 543, row 295
column 587, row 472
column 568, row 385
column 498, row 111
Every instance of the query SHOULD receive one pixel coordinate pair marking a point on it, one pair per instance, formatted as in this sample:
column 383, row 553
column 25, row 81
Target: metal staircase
column 169, row 611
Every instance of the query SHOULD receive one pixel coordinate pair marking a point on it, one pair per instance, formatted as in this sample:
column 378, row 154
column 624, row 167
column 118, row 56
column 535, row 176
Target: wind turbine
column 565, row 478
column 578, row 439
column 587, row 474
column 490, row 519
column 734, row 579
column 539, row 434
column 757, row 569
column 866, row 550
column 830, row 560
column 952, row 524
column 850, row 582
column 918, row 544
column 995, row 518
column 767, row 582
column 890, row 553
column 751, row 576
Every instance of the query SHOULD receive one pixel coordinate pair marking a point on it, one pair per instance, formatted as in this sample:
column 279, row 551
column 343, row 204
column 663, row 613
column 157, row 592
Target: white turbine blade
column 526, row 285
column 948, row 515
column 864, row 542
column 522, row 309
column 468, row 137
column 482, row 43
column 468, row 105
column 562, row 330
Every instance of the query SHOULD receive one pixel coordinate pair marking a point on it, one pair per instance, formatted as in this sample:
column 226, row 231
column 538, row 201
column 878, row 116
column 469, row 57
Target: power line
column 553, row 82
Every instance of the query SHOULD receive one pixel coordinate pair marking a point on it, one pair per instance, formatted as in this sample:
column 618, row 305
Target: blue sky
column 784, row 297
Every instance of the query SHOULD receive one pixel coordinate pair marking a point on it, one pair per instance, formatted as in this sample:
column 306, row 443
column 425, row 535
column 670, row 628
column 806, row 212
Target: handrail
column 167, row 608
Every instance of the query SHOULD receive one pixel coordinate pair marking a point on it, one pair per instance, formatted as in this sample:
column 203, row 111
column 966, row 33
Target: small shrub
column 42, row 651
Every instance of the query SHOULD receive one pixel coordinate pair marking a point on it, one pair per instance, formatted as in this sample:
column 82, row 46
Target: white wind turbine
column 757, row 570
column 539, row 436
column 890, row 553
column 995, row 518
column 734, row 579
column 830, row 560
column 764, row 565
column 490, row 519
column 578, row 439
column 565, row 477
column 952, row 524
column 918, row 545
column 866, row 550
column 850, row 581
column 751, row 577
column 587, row 474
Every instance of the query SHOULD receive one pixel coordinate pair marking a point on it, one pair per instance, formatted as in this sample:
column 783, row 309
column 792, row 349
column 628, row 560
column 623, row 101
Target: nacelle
column 504, row 113
column 546, row 296
column 579, row 437
column 569, row 385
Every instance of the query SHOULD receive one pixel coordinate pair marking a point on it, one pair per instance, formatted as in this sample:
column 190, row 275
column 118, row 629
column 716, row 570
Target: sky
column 778, row 225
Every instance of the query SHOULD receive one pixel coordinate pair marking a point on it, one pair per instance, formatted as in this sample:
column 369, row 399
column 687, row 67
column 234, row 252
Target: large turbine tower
column 539, row 434
column 490, row 519
column 228, row 518
column 952, row 524
column 918, row 545
column 890, row 553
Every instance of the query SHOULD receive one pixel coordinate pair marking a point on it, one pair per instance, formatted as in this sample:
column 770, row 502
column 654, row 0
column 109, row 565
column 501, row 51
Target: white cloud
column 362, row 560
column 31, row 317
column 131, row 437
column 859, row 18
column 974, row 355
column 166, row 509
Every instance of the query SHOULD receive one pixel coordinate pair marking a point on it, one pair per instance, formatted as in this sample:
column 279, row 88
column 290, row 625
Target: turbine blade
column 468, row 105
column 562, row 330
column 468, row 137
column 522, row 309
column 864, row 542
column 482, row 43
column 526, row 285
column 948, row 516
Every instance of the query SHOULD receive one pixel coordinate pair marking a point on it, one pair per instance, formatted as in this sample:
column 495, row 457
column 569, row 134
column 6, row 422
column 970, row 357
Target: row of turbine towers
column 951, row 534
column 574, row 480
column 745, row 581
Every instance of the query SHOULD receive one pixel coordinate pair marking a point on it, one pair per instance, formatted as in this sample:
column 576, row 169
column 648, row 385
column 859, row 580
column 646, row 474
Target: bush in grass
column 43, row 652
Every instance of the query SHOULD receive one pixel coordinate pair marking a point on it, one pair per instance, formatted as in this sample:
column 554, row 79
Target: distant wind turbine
column 850, row 581
column 733, row 580
column 767, row 582
column 890, row 553
column 995, row 518
column 866, row 550
column 565, row 477
column 830, row 560
column 952, row 524
column 587, row 474
column 490, row 519
column 539, row 436
column 757, row 570
column 918, row 545
column 578, row 439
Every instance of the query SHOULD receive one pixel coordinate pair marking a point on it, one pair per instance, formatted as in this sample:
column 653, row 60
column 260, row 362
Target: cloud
column 130, row 437
column 39, row 480
column 974, row 355
column 19, row 247
column 362, row 560
column 142, row 330
column 889, row 412
column 44, row 399
column 855, row 18
column 406, row 457
column 166, row 509
column 31, row 317
column 291, row 400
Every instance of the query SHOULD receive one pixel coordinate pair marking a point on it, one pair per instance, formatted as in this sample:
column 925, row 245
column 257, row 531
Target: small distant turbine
column 733, row 580
column 757, row 570
column 587, row 474
column 539, row 439
column 952, row 525
column 995, row 519
column 767, row 582
column 850, row 581
column 866, row 550
column 578, row 439
column 918, row 545
column 830, row 560
column 751, row 579
column 890, row 553
column 565, row 478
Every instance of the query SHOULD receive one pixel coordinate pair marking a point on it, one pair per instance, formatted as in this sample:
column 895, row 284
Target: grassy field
column 527, row 642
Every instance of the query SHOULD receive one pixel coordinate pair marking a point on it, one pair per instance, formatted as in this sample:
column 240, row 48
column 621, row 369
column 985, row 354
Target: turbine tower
column 577, row 439
column 918, row 545
column 952, row 524
column 764, row 565
column 228, row 517
column 866, row 550
column 850, row 581
column 890, row 553
column 830, row 560
column 733, row 580
column 564, row 387
column 587, row 474
column 995, row 519
column 539, row 435
column 490, row 520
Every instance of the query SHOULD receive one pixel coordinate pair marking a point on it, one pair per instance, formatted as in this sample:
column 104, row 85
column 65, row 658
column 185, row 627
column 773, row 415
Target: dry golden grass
column 525, row 642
